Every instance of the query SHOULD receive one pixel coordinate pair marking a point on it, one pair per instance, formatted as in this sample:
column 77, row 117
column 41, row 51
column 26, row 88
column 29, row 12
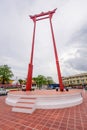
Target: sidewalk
column 73, row 118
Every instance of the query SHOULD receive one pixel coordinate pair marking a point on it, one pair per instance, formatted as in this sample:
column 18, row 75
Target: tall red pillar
column 56, row 56
column 30, row 67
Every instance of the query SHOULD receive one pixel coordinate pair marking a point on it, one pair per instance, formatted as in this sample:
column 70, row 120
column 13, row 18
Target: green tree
column 42, row 80
column 20, row 81
column 5, row 74
column 50, row 80
column 24, row 81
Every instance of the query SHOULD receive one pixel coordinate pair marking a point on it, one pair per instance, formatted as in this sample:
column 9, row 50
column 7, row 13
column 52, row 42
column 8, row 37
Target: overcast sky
column 70, row 29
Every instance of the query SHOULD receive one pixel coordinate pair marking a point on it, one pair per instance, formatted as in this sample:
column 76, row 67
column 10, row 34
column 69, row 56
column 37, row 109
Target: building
column 75, row 80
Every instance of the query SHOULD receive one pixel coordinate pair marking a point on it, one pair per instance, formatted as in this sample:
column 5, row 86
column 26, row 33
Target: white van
column 24, row 87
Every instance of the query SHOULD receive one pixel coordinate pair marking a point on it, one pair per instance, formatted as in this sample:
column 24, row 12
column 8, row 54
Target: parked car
column 3, row 91
column 23, row 87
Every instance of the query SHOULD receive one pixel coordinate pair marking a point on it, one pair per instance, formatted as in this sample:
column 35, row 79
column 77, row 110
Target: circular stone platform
column 28, row 101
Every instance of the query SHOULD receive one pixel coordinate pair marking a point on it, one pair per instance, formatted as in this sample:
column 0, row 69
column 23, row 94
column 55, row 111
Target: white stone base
column 44, row 101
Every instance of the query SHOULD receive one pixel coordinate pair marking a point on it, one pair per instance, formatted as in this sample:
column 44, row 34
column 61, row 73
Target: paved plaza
column 73, row 118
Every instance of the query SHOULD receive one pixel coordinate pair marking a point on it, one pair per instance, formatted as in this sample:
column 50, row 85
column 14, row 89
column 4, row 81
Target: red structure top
column 42, row 14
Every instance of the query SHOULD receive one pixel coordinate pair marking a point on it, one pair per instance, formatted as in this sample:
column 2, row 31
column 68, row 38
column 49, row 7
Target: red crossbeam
column 42, row 14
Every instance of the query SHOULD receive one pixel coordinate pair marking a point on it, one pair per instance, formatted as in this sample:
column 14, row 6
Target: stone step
column 27, row 98
column 23, row 109
column 25, row 104
column 32, row 100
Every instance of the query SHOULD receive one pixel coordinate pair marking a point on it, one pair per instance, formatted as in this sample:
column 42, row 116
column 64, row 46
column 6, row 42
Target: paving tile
column 39, row 127
column 55, row 126
column 45, row 128
column 28, row 128
column 22, row 127
column 62, row 128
